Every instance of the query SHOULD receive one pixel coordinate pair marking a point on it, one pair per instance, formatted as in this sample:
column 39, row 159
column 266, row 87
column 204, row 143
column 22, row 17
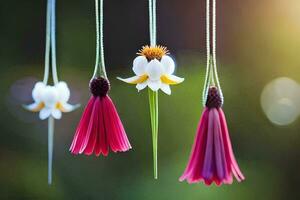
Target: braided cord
column 152, row 22
column 211, row 75
column 100, row 62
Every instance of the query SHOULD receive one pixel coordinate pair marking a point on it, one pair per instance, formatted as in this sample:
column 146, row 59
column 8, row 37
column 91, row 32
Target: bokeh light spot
column 280, row 101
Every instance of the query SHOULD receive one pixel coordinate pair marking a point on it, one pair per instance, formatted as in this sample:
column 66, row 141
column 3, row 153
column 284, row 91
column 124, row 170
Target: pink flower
column 100, row 128
column 212, row 158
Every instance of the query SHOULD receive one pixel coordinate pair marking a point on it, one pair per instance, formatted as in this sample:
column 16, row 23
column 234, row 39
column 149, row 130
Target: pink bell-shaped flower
column 100, row 128
column 212, row 158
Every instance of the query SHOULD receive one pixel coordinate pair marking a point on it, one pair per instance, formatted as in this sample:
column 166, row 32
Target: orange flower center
column 156, row 52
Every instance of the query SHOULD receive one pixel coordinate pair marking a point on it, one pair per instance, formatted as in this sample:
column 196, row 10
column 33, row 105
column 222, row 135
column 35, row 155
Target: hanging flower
column 212, row 158
column 50, row 100
column 100, row 127
column 154, row 68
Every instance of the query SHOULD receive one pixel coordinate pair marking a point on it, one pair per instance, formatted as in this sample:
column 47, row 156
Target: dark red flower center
column 213, row 98
column 99, row 86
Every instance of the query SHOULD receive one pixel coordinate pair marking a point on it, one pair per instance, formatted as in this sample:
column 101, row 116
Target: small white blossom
column 156, row 74
column 50, row 100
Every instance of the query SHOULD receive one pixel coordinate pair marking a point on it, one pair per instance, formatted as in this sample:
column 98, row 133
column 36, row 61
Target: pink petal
column 102, row 133
column 89, row 129
column 194, row 167
column 220, row 159
column 228, row 148
column 92, row 131
column 116, row 134
column 208, row 165
column 82, row 127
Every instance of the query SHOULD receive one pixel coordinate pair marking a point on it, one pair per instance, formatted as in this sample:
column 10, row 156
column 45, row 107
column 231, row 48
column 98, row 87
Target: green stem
column 50, row 148
column 153, row 103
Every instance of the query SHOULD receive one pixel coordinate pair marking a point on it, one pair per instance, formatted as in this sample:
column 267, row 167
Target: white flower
column 154, row 73
column 50, row 100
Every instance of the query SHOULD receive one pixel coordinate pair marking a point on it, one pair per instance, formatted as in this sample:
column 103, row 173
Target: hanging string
column 152, row 22
column 53, row 43
column 206, row 81
column 99, row 41
column 211, row 63
column 214, row 47
column 48, row 45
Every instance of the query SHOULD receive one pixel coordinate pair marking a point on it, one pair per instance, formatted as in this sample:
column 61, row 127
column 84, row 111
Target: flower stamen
column 155, row 52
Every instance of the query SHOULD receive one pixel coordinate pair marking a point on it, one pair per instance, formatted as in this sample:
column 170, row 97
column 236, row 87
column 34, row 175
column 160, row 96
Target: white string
column 206, row 81
column 48, row 45
column 152, row 22
column 97, row 38
column 211, row 63
column 99, row 41
column 214, row 44
column 53, row 43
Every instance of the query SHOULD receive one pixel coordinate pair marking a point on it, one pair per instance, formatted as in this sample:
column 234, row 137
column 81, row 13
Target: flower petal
column 66, row 107
column 63, row 91
column 38, row 91
column 134, row 79
column 171, row 79
column 168, row 64
column 154, row 70
column 45, row 113
column 35, row 107
column 141, row 86
column 154, row 85
column 139, row 65
column 50, row 96
column 56, row 113
column 165, row 88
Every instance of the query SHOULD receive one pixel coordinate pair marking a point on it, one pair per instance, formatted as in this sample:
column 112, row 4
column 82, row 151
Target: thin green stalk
column 153, row 103
column 50, row 147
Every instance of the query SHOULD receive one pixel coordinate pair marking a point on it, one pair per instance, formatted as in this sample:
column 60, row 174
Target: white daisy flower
column 153, row 68
column 50, row 100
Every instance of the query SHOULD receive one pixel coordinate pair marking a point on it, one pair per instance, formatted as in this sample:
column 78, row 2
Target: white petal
column 139, row 65
column 68, row 107
column 34, row 107
column 45, row 113
column 176, row 78
column 134, row 79
column 154, row 85
column 63, row 91
column 171, row 79
column 166, row 88
column 168, row 64
column 154, row 70
column 56, row 113
column 50, row 96
column 37, row 91
column 141, row 86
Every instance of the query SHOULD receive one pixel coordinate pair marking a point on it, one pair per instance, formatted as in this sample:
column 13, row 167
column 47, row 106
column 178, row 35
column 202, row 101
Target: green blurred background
column 257, row 42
